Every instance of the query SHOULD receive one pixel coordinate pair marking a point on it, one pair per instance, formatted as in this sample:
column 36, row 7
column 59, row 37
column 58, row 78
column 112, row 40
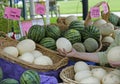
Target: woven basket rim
column 68, row 80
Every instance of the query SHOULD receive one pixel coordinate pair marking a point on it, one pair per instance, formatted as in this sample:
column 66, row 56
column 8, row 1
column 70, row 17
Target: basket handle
column 104, row 16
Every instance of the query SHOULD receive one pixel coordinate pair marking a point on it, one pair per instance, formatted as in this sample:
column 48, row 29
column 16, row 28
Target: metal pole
column 24, row 10
column 85, row 8
column 47, row 12
column 10, row 3
column 32, row 9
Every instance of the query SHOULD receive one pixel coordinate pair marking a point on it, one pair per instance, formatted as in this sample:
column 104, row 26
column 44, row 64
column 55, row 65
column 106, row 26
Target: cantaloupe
column 79, row 47
column 91, row 44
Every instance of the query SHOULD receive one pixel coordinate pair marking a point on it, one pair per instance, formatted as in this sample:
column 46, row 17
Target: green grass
column 75, row 6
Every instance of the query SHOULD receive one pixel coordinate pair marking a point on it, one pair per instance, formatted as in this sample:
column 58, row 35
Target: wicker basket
column 61, row 23
column 88, row 21
column 104, row 16
column 58, row 61
column 67, row 74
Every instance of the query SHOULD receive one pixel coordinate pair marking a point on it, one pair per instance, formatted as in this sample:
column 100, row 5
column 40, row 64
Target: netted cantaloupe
column 79, row 47
column 106, row 29
column 69, row 19
column 99, row 22
column 91, row 44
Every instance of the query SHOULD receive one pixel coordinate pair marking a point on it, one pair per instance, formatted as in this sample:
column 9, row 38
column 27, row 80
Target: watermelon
column 73, row 35
column 48, row 42
column 30, row 77
column 114, row 19
column 53, row 31
column 9, row 81
column 91, row 32
column 1, row 74
column 36, row 33
column 76, row 24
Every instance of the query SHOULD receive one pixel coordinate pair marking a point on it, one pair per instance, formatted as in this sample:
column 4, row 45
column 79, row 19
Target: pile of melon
column 76, row 32
column 106, row 29
column 26, row 50
column 89, row 45
column 97, row 75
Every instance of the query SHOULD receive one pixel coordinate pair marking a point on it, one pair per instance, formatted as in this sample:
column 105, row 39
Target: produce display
column 68, row 33
column 82, row 73
column 26, row 50
column 76, row 33
column 82, row 38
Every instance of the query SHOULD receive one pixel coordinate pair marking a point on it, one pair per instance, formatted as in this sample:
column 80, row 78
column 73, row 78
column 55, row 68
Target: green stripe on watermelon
column 73, row 35
column 30, row 77
column 48, row 42
column 36, row 33
column 114, row 19
column 91, row 32
column 53, row 31
column 78, row 25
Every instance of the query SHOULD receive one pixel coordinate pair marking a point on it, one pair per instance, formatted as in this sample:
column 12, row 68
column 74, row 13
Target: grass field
column 75, row 6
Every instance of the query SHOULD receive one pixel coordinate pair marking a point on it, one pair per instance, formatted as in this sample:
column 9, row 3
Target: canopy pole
column 85, row 8
column 24, row 10
column 10, row 3
column 47, row 12
column 32, row 9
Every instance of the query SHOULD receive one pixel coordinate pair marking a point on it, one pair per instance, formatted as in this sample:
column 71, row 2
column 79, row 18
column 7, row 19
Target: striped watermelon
column 76, row 24
column 114, row 19
column 1, row 74
column 48, row 42
column 30, row 77
column 53, row 31
column 36, row 33
column 91, row 32
column 73, row 35
column 9, row 81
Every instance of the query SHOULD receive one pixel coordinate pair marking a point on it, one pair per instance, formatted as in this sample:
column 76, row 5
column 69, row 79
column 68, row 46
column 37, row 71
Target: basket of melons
column 30, row 55
column 82, row 73
column 102, row 23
